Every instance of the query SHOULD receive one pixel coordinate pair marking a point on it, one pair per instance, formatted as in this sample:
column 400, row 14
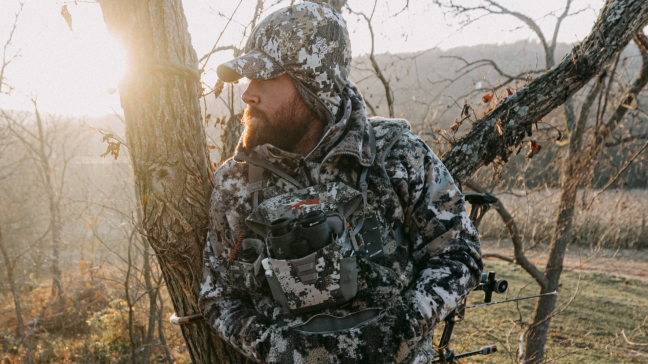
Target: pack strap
column 262, row 163
column 363, row 181
column 255, row 183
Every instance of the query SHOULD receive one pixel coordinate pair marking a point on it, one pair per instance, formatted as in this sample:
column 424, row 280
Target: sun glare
column 73, row 72
column 88, row 68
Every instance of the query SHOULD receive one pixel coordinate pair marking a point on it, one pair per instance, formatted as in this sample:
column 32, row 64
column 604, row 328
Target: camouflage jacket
column 415, row 283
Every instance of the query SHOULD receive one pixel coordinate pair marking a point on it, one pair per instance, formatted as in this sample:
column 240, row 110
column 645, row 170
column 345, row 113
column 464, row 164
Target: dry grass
column 590, row 330
column 614, row 219
column 91, row 326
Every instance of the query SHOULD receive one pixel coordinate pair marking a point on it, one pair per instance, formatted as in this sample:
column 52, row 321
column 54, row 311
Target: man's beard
column 290, row 124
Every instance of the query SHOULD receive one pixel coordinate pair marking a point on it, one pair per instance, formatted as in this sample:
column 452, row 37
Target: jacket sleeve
column 444, row 244
column 229, row 311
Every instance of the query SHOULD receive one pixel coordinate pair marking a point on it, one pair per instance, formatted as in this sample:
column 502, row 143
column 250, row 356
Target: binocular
column 293, row 239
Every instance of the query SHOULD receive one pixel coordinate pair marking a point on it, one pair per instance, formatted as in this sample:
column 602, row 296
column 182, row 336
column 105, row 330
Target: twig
column 208, row 55
column 498, row 256
column 618, row 175
column 628, row 341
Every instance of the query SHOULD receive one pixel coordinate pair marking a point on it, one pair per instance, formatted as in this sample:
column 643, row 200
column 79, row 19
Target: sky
column 77, row 72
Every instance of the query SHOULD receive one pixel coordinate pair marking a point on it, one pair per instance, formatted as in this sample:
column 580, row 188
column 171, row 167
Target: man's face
column 276, row 114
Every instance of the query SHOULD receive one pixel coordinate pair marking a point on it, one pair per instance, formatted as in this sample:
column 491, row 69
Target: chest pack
column 309, row 249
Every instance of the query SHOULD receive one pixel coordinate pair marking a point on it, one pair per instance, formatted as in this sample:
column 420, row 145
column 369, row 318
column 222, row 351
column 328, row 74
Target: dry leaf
column 455, row 127
column 534, row 148
column 509, row 91
column 112, row 149
column 218, row 88
column 487, row 98
column 465, row 110
column 498, row 127
column 67, row 16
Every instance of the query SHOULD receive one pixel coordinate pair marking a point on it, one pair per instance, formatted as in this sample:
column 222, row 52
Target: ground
column 603, row 310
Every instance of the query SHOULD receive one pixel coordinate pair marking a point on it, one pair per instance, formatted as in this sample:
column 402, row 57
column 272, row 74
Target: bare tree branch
column 389, row 93
column 516, row 239
column 482, row 145
column 625, row 140
column 5, row 61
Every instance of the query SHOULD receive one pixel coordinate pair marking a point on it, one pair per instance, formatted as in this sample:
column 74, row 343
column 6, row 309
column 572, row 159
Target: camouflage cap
column 309, row 41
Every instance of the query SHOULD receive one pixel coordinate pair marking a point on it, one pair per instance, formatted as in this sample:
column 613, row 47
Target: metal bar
column 513, row 299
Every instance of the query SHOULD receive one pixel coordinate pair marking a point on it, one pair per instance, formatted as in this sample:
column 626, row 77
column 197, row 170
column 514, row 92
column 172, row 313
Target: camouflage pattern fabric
column 415, row 285
column 308, row 40
column 325, row 277
column 326, row 197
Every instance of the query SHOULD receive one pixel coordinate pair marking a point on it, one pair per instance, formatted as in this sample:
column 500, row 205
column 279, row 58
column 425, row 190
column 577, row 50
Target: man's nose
column 251, row 96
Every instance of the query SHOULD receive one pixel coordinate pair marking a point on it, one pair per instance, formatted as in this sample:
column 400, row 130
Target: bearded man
column 400, row 251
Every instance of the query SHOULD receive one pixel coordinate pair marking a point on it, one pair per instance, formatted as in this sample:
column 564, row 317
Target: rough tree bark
column 159, row 96
column 160, row 102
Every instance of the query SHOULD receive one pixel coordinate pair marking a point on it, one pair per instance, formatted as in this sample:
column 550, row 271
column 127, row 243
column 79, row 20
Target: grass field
column 588, row 330
column 614, row 219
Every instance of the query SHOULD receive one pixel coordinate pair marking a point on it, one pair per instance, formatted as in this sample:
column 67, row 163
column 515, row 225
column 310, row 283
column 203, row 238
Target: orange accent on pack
column 355, row 240
column 236, row 248
column 299, row 205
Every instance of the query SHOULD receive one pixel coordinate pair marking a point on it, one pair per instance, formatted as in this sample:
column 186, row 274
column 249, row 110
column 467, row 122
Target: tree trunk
column 537, row 336
column 55, row 218
column 173, row 181
column 9, row 266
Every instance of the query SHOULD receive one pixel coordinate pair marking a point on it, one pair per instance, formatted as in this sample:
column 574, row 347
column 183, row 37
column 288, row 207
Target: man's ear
column 314, row 103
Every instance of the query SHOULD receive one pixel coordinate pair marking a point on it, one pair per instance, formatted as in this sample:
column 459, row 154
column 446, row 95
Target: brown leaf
column 112, row 149
column 487, row 98
column 455, row 127
column 534, row 148
column 67, row 16
column 212, row 147
column 509, row 92
column 465, row 110
column 218, row 88
column 498, row 127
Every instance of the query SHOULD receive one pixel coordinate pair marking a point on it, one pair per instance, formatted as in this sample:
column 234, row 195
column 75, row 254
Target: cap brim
column 253, row 65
